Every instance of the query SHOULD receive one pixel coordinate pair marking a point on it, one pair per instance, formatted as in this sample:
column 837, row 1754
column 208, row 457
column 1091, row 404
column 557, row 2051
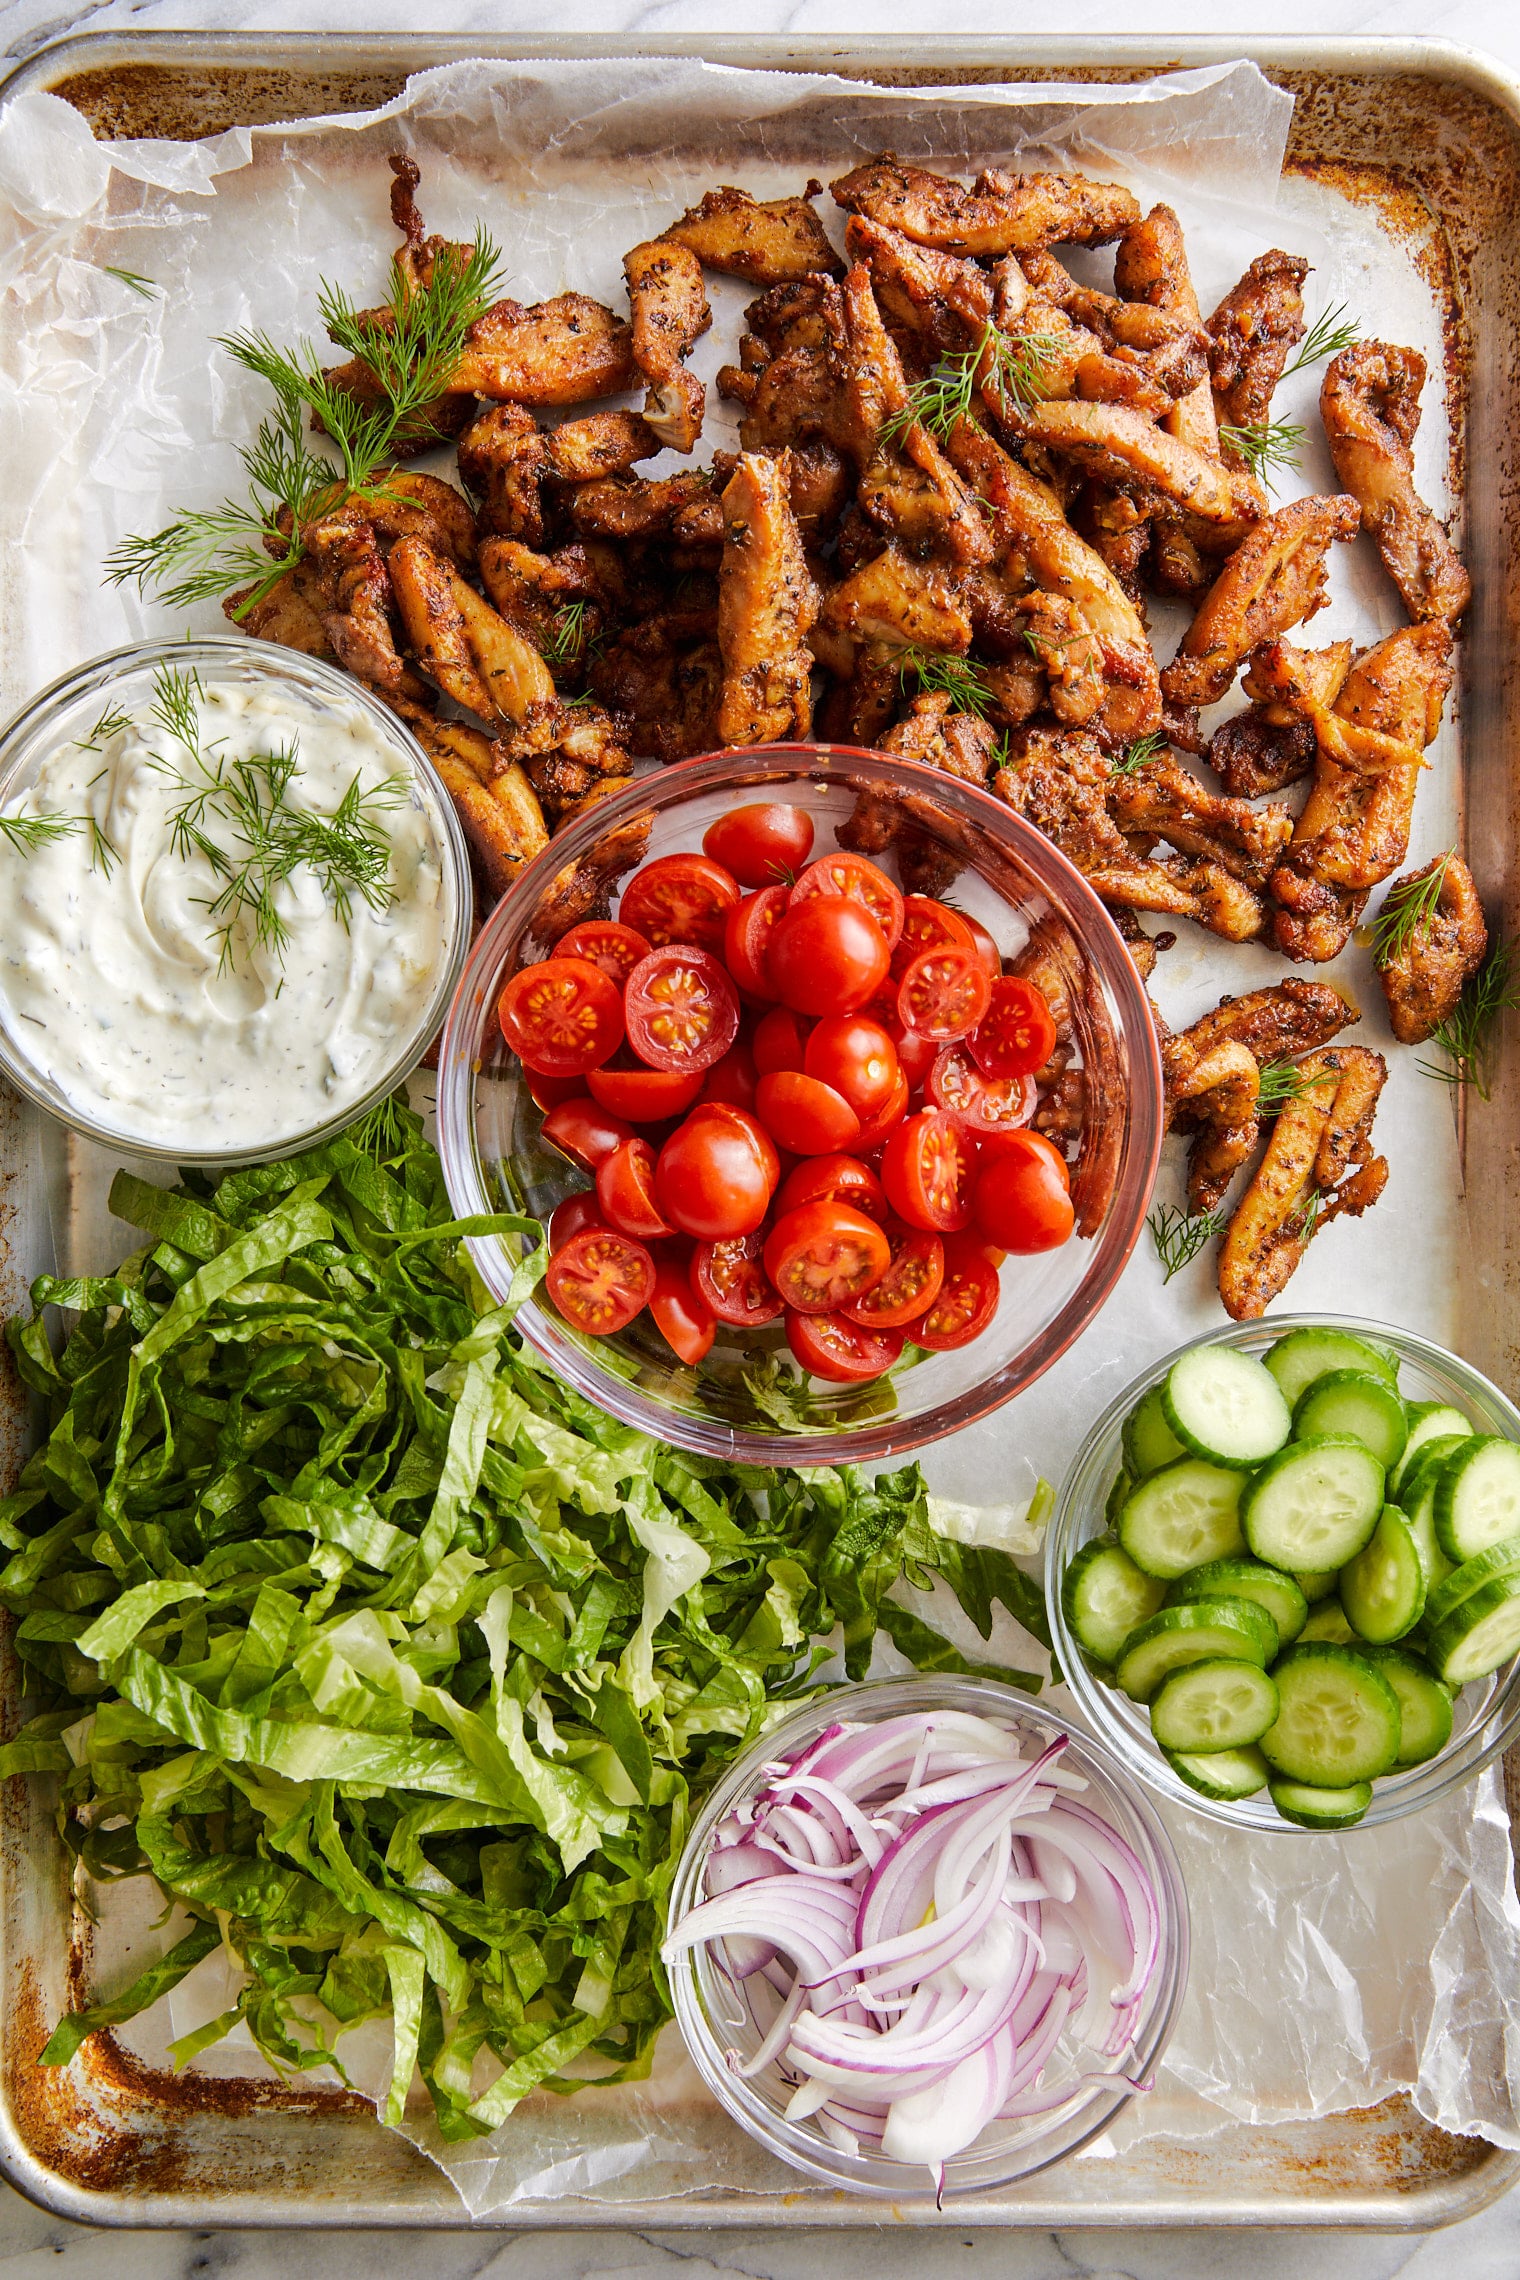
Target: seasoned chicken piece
column 1160, row 800
column 670, row 315
column 583, row 890
column 770, row 241
column 1123, row 447
column 858, row 707
column 1212, row 1073
column 288, row 612
column 461, row 643
column 1151, row 265
column 1069, row 654
column 665, row 677
column 913, row 605
column 907, row 485
column 1255, row 325
column 1370, row 404
column 941, row 299
column 936, row 736
column 806, row 314
column 497, row 806
column 820, row 490
column 766, row 603
column 1425, row 979
column 352, row 585
column 1278, row 1023
column 564, row 351
column 1319, row 1164
column 1000, row 213
column 1251, row 754
column 603, row 443
column 1288, row 683
column 504, row 457
column 396, row 503
column 639, row 506
column 1274, row 579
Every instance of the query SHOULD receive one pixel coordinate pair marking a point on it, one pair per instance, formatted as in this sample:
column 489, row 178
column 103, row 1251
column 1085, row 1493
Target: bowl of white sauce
column 234, row 900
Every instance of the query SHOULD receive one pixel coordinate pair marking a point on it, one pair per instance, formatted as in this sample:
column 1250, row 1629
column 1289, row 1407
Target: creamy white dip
column 119, row 979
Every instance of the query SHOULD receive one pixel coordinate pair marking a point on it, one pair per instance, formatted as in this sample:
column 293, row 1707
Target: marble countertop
column 1487, row 2247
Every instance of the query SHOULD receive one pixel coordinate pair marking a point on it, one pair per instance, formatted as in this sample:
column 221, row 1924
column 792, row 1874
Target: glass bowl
column 67, row 710
column 1487, row 1712
column 1004, row 874
column 714, row 2014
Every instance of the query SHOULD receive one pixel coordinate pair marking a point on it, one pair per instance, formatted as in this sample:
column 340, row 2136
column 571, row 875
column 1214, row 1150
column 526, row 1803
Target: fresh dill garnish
column 111, row 723
column 1409, row 907
column 941, row 400
column 943, row 673
column 104, row 853
column 1265, row 444
column 177, row 699
column 1327, row 336
column 1140, row 754
column 1466, row 1036
column 139, row 284
column 1281, row 1082
column 387, row 1131
column 567, row 637
column 26, row 833
column 1309, row 1217
column 1179, row 1236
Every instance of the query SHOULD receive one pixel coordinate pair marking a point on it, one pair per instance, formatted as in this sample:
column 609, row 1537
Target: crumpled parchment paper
column 1326, row 1974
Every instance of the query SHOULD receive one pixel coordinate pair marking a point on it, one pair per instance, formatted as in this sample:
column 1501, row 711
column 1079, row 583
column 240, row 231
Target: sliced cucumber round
column 1358, row 1403
column 1104, row 1597
column 1478, row 1496
column 1327, row 1624
column 1221, row 1704
column 1463, row 1581
column 1314, row 1504
column 1316, row 1583
column 1425, row 1711
column 1478, row 1637
column 1186, row 1513
column 1225, row 1406
column 1148, row 1440
column 1301, row 1356
column 1246, row 1579
column 1337, row 1718
column 1312, row 1807
column 1224, row 1774
column 1236, row 1629
column 1428, row 1421
column 1383, row 1588
column 1116, row 1496
column 1420, row 1515
column 1419, row 1476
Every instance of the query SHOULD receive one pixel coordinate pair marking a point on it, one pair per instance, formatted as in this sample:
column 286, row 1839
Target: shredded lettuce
column 390, row 1659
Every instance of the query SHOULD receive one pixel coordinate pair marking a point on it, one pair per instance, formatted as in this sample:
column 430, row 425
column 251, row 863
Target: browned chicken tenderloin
column 1370, row 405
column 1425, row 979
column 1000, row 213
column 1318, row 1165
column 767, row 602
column 670, row 314
column 1212, row 1073
column 1252, row 332
column 769, row 241
column 1276, row 578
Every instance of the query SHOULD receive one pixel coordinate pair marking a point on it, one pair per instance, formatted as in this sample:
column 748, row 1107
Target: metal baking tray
column 117, row 2142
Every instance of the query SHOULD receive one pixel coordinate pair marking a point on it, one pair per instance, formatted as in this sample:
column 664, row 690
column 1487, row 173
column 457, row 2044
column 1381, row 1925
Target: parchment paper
column 1326, row 1974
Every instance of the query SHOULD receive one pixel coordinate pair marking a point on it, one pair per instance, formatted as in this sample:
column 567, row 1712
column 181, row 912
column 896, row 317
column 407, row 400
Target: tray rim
column 1444, row 2201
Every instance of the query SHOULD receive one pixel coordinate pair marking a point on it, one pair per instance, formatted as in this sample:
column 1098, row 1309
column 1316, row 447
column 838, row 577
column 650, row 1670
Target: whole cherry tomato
column 584, row 1132
column 643, row 1096
column 625, row 1192
column 730, row 1276
column 680, row 898
column 987, row 949
column 716, row 1173
column 886, row 1120
column 578, row 1211
column 980, row 1104
column 965, row 1302
column 746, row 940
column 843, row 1352
column 761, row 844
column 562, row 1016
column 732, row 1079
column 834, row 1179
column 600, row 1280
column 682, row 1010
column 823, row 1255
column 910, row 1285
column 804, row 1115
column 827, row 955
column 944, row 993
column 683, row 1317
column 927, row 1171
column 603, row 942
column 856, row 1056
column 1021, row 1197
column 915, row 1054
column 780, row 1041
column 859, row 881
column 928, row 925
column 1017, row 1033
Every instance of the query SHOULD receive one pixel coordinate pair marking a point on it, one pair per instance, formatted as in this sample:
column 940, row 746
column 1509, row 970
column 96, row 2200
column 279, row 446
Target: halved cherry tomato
column 644, row 1096
column 716, row 1173
column 1022, row 1194
column 733, row 1078
column 827, row 955
column 860, row 881
column 600, row 1280
column 823, row 1255
column 617, row 949
column 625, row 1191
column 684, row 1319
column 761, row 844
column 730, row 1276
column 834, row 1179
column 548, row 1092
column 928, row 925
column 915, row 1054
column 585, row 1132
column 801, row 1114
column 944, row 993
column 746, row 939
column 886, row 1120
column 682, row 1010
column 987, row 949
column 910, row 1285
column 562, row 1016
column 571, row 1217
column 965, row 1303
column 927, row 1171
column 981, row 1104
column 780, row 1041
column 843, row 1352
column 857, row 1057
column 680, row 898
column 1017, row 1033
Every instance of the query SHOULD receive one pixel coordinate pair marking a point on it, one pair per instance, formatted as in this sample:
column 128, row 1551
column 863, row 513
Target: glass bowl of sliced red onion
column 925, row 1938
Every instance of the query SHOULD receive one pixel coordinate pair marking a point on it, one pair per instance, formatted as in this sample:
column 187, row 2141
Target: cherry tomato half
column 577, row 1212
column 746, row 939
column 584, row 1132
column 834, row 1179
column 915, row 1054
column 944, row 993
column 1022, row 1194
column 548, row 1092
column 857, row 1057
column 860, row 881
column 684, row 1319
column 716, row 1173
column 1017, row 1033
column 761, row 844
column 680, row 898
column 928, row 925
column 801, row 1114
column 927, row 1171
column 823, row 1255
column 886, row 1120
column 643, row 1096
column 827, row 955
column 562, row 1016
column 625, row 1191
column 833, row 1347
column 910, row 1285
column 965, row 1303
column 780, row 1041
column 603, row 942
column 987, row 949
column 732, row 1079
column 600, row 1280
column 979, row 1104
column 682, row 1010
column 731, row 1278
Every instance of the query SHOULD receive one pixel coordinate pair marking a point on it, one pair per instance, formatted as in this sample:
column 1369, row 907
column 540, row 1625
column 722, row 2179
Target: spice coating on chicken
column 1000, row 213
column 769, row 241
column 1318, row 1165
column 668, row 301
column 1161, row 800
column 1274, row 579
column 1211, row 1090
column 1252, row 330
column 1370, row 405
column 1424, row 979
column 766, row 604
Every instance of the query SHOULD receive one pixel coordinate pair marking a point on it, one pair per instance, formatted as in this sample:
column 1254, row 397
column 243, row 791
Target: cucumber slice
column 1314, row 1504
column 1104, row 1597
column 1356, row 1403
column 1478, row 1496
column 1225, row 1406
column 1422, row 1527
column 1424, row 1704
column 1236, row 1629
column 1419, row 1477
column 1223, row 1774
column 1221, row 1704
column 1316, row 1583
column 1301, row 1356
column 1246, row 1579
column 1463, row 1581
column 1311, row 1807
column 1186, row 1513
column 1149, row 1442
column 1116, row 1496
column 1383, row 1588
column 1478, row 1637
column 1428, row 1421
column 1337, row 1718
column 1327, row 1625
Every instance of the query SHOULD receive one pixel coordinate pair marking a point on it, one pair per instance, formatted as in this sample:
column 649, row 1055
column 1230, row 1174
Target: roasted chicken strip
column 1370, row 404
column 1425, row 977
column 1319, row 1164
column 767, row 602
column 1212, row 1092
column 1254, row 327
column 1274, row 579
column 503, row 458
column 463, row 644
column 1000, row 213
column 770, row 241
column 564, row 351
column 497, row 805
column 1123, row 447
column 1161, row 800
column 1151, row 265
column 670, row 315
column 936, row 736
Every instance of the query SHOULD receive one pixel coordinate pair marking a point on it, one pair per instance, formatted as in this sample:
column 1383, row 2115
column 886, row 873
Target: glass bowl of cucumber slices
column 1283, row 1574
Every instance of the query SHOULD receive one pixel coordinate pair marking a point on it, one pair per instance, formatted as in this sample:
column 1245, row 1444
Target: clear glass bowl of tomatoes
column 831, row 1088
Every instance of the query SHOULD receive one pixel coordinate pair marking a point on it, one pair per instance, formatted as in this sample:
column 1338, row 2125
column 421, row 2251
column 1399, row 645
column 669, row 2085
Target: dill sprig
column 1140, row 754
column 1281, row 1082
column 1265, row 444
column 1466, row 1036
column 384, row 1131
column 567, row 636
column 139, row 284
column 1179, row 1236
column 1327, row 336
column 1309, row 1217
column 944, row 673
column 941, row 400
column 177, row 699
column 104, row 853
column 26, row 833
column 110, row 723
column 1409, row 907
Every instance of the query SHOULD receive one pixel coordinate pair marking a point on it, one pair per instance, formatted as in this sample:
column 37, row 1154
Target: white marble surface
column 1485, row 2248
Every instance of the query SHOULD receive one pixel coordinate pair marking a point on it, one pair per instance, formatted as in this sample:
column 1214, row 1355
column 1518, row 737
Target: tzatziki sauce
column 201, row 944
